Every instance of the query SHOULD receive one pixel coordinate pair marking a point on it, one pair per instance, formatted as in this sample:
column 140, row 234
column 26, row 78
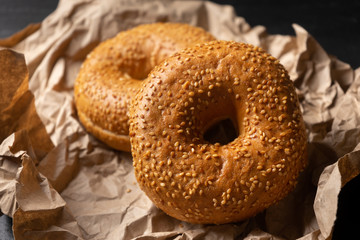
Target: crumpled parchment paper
column 58, row 182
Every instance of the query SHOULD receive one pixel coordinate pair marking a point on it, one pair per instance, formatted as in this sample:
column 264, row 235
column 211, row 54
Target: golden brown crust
column 109, row 77
column 193, row 180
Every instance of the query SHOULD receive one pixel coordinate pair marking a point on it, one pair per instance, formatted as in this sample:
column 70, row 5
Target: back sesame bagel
column 112, row 73
column 194, row 180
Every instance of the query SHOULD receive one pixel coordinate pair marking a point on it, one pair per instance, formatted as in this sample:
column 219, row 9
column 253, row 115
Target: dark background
column 334, row 24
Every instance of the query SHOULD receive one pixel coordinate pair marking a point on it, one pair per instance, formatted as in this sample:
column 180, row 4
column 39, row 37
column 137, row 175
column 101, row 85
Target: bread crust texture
column 112, row 73
column 194, row 180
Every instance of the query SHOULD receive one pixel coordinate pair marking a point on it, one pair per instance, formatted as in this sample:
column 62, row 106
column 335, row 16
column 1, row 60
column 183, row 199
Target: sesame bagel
column 112, row 72
column 194, row 180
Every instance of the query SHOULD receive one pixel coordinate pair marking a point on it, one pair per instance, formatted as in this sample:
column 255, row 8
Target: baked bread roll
column 112, row 73
column 195, row 180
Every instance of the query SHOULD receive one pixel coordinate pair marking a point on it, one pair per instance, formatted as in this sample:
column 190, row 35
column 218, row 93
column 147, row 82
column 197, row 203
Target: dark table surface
column 334, row 24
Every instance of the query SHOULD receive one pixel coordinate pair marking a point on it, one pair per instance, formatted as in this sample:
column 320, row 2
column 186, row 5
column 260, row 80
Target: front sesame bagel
column 194, row 180
column 112, row 73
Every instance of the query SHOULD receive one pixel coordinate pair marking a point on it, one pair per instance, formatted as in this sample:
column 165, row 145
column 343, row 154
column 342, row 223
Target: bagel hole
column 222, row 131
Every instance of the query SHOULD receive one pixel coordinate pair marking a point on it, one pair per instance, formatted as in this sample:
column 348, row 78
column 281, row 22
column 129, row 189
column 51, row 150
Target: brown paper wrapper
column 58, row 182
